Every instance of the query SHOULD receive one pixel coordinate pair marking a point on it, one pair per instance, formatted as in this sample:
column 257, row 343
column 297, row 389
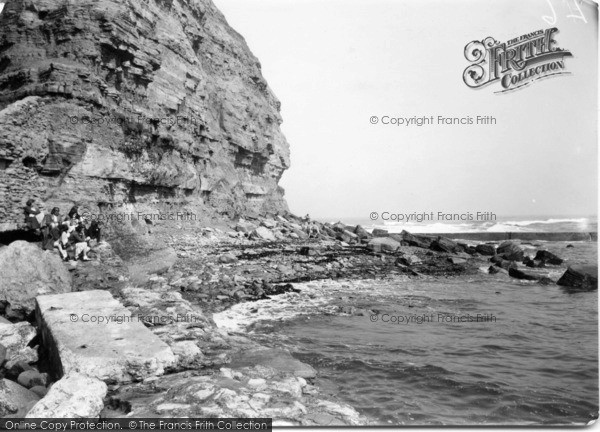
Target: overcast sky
column 335, row 63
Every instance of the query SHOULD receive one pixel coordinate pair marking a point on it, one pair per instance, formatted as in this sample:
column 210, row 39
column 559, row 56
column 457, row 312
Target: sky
column 336, row 63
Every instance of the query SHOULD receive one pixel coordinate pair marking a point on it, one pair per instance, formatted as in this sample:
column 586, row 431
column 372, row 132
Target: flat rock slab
column 92, row 333
column 277, row 359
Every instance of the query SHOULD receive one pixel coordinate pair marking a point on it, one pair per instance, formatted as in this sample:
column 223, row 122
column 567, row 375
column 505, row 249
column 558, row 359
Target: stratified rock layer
column 152, row 102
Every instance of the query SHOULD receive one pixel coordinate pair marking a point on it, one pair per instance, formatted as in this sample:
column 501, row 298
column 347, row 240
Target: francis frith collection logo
column 516, row 63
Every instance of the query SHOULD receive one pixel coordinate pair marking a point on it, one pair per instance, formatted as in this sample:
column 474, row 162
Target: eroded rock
column 580, row 277
column 74, row 395
column 27, row 272
column 16, row 339
column 383, row 244
column 510, row 251
column 15, row 399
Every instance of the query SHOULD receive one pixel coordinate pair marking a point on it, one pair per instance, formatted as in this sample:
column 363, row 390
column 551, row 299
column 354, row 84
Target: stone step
column 90, row 332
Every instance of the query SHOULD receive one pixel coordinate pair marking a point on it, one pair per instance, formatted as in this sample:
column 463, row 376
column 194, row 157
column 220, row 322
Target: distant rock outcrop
column 584, row 277
column 153, row 102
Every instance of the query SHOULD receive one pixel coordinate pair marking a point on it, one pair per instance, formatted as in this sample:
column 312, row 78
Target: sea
column 477, row 350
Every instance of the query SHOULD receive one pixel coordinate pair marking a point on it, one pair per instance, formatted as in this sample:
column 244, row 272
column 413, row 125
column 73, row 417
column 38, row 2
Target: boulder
column 528, row 261
column 339, row 227
column 548, row 257
column 583, row 277
column 15, row 367
column 269, row 223
column 377, row 232
column 495, row 269
column 486, row 249
column 32, row 378
column 15, row 399
column 383, row 244
column 361, row 232
column 41, row 391
column 346, row 236
column 92, row 333
column 245, row 226
column 409, row 260
column 74, row 395
column 443, row 244
column 417, row 240
column 467, row 249
column 27, row 272
column 3, row 353
column 511, row 251
column 186, row 353
column 262, row 233
column 299, row 233
column 520, row 274
column 16, row 338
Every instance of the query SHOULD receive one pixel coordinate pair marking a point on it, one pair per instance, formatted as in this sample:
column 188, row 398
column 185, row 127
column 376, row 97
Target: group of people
column 310, row 227
column 68, row 234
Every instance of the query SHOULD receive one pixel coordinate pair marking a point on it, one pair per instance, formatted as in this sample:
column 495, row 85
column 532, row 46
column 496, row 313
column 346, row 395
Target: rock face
column 27, row 272
column 73, row 396
column 146, row 102
column 92, row 333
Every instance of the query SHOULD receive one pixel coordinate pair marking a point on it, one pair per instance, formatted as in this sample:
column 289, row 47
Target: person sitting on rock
column 50, row 229
column 62, row 243
column 33, row 215
column 74, row 213
column 95, row 230
column 79, row 239
column 73, row 218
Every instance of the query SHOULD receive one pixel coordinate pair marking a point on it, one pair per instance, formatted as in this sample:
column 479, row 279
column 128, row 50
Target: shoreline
column 198, row 274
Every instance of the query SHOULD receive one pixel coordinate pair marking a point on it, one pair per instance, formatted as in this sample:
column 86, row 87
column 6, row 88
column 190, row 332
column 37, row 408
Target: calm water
column 537, row 363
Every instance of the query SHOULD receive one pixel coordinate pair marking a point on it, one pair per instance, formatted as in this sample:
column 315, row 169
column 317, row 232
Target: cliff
column 139, row 103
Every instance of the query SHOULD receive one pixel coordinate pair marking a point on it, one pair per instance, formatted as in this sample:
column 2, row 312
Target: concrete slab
column 90, row 332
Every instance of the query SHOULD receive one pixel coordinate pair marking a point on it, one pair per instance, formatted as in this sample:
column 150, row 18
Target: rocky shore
column 144, row 343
